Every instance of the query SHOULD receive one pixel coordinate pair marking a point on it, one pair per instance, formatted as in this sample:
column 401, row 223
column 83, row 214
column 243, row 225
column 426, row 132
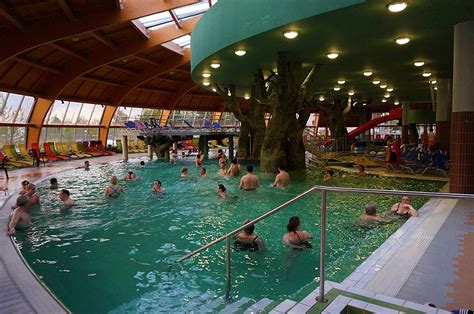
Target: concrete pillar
column 124, row 147
column 462, row 126
column 443, row 113
column 150, row 152
column 405, row 122
column 230, row 143
column 204, row 145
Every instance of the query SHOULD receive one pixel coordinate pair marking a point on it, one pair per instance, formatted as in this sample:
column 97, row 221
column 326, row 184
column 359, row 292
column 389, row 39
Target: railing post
column 227, row 264
column 320, row 297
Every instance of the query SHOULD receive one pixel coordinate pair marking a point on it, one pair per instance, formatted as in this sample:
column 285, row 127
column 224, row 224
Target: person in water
column 142, row 164
column 295, row 238
column 361, row 170
column 53, row 183
column 234, row 169
column 404, row 209
column 113, row 190
column 65, row 197
column 249, row 181
column 222, row 169
column 87, row 165
column 157, row 187
column 247, row 240
column 198, row 160
column 282, row 178
column 328, row 175
column 33, row 195
column 203, row 172
column 24, row 187
column 371, row 214
column 221, row 191
column 131, row 176
column 20, row 218
column 184, row 172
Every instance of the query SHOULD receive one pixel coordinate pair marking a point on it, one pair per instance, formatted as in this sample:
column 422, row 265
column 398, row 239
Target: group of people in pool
column 27, row 200
column 402, row 209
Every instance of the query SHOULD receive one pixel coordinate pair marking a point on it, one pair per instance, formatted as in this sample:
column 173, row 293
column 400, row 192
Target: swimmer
column 371, row 214
column 282, row 178
column 222, row 169
column 234, row 169
column 203, row 172
column 157, row 187
column 64, row 196
column 173, row 156
column 142, row 164
column 295, row 238
column 53, row 183
column 221, row 191
column 404, row 209
column 328, row 175
column 361, row 170
column 87, row 165
column 183, row 155
column 24, row 187
column 33, row 195
column 113, row 190
column 131, row 176
column 247, row 241
column 20, row 218
column 249, row 181
column 198, row 160
column 184, row 172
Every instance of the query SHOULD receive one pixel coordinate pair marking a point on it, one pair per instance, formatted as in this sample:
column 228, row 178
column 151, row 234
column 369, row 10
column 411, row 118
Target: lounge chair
column 216, row 125
column 84, row 147
column 13, row 156
column 131, row 147
column 63, row 149
column 102, row 148
column 8, row 161
column 3, row 165
column 438, row 163
column 77, row 150
column 188, row 124
column 141, row 146
column 130, row 125
column 154, row 123
column 147, row 125
column 119, row 147
column 50, row 152
column 38, row 155
column 25, row 155
column 207, row 124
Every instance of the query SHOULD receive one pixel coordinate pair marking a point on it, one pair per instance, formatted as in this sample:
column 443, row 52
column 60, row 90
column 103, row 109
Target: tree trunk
column 295, row 148
column 337, row 116
column 244, row 142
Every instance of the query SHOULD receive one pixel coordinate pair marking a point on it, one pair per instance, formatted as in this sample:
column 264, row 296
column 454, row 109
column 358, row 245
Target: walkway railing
column 324, row 190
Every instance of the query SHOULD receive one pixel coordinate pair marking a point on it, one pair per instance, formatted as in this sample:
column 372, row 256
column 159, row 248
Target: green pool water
column 113, row 255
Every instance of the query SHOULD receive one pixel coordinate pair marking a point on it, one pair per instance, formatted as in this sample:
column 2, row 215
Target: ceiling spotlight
column 240, row 52
column 386, row 95
column 75, row 39
column 390, row 89
column 351, row 93
column 214, row 90
column 341, row 82
column 433, row 82
column 397, row 6
column 206, row 83
column 215, row 65
column 290, row 34
column 247, row 96
column 206, row 75
column 364, row 104
column 337, row 88
column 332, row 55
column 383, row 86
column 436, row 88
column 368, row 73
column 419, row 63
column 125, row 60
column 229, row 93
column 396, row 103
column 402, row 40
column 426, row 74
column 384, row 100
column 321, row 98
column 375, row 82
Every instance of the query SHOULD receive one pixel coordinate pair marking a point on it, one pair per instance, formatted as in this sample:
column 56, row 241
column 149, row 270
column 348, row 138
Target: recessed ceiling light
column 436, row 88
column 247, row 97
column 214, row 90
column 75, row 39
column 240, row 52
column 396, row 103
column 290, row 34
column 397, row 6
column 390, row 89
column 215, row 65
column 368, row 73
column 206, row 83
column 125, row 60
column 332, row 55
column 386, row 95
column 419, row 63
column 321, row 98
column 351, row 93
column 337, row 88
column 383, row 86
column 341, row 82
column 433, row 82
column 206, row 75
column 364, row 104
column 384, row 100
column 375, row 82
column 426, row 74
column 402, row 40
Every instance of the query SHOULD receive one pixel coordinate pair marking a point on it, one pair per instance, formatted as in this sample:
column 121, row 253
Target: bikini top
column 300, row 244
column 242, row 245
column 115, row 191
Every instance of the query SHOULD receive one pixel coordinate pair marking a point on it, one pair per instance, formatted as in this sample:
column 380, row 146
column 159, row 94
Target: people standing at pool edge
column 247, row 241
column 20, row 218
column 249, row 181
column 295, row 238
column 113, row 190
column 282, row 178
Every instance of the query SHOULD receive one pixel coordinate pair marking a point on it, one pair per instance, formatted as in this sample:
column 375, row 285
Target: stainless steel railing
column 324, row 190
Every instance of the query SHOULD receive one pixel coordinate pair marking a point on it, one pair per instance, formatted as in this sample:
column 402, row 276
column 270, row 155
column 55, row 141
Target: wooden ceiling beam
column 119, row 4
column 101, row 81
column 121, row 69
column 183, row 90
column 68, row 51
column 174, row 47
column 15, row 41
column 147, row 60
column 67, row 10
column 141, row 29
column 94, row 61
column 37, row 65
column 101, row 37
column 150, row 89
column 10, row 17
column 175, row 19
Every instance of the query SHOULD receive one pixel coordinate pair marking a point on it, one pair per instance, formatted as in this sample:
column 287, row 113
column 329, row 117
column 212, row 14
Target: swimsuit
column 240, row 245
column 300, row 244
column 115, row 191
column 401, row 215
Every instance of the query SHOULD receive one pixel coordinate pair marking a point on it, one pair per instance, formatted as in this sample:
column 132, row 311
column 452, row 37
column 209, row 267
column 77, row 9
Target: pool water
column 113, row 255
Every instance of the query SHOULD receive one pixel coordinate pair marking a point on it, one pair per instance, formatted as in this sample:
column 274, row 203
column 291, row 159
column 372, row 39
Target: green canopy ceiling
column 362, row 32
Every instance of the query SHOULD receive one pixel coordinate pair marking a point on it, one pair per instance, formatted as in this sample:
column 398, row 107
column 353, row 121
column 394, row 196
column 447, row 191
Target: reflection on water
column 121, row 249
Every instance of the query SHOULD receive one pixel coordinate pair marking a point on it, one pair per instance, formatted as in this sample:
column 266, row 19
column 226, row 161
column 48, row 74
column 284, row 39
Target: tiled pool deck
column 429, row 259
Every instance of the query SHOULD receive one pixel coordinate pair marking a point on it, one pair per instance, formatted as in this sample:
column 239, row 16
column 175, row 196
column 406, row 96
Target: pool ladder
column 324, row 191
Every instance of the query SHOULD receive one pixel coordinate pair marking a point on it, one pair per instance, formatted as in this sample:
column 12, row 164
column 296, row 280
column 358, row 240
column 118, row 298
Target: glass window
column 96, row 115
column 25, row 110
column 121, row 115
column 10, row 109
column 57, row 112
column 15, row 108
column 12, row 135
column 136, row 113
column 72, row 113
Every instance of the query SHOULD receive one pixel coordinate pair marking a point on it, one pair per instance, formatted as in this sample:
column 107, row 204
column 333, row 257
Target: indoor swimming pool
column 114, row 255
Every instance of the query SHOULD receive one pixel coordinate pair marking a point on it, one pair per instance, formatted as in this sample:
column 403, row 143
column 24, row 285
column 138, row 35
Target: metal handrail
column 324, row 190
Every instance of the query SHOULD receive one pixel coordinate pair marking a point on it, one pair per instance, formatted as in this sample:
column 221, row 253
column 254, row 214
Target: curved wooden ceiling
column 96, row 51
